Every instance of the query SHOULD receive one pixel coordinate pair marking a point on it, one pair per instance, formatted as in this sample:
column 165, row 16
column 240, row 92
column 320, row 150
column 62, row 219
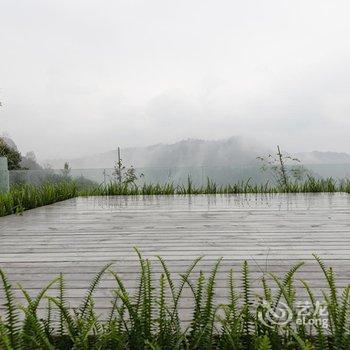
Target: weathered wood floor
column 78, row 236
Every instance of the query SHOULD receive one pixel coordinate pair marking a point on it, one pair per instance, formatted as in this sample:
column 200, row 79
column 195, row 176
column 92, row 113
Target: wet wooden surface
column 273, row 232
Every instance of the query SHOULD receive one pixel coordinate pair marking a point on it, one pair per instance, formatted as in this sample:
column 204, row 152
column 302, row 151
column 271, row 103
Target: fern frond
column 12, row 315
column 94, row 283
column 209, row 311
column 247, row 303
column 113, row 308
column 342, row 326
column 34, row 303
column 68, row 320
column 321, row 338
column 267, row 290
column 233, row 299
column 184, row 280
column 168, row 277
column 303, row 344
column 35, row 332
column 283, row 291
column 162, row 306
column 287, row 280
column 198, row 297
column 5, row 341
column 61, row 300
column 265, row 343
column 328, row 273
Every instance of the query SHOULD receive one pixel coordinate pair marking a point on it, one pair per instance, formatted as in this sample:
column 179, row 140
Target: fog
column 81, row 77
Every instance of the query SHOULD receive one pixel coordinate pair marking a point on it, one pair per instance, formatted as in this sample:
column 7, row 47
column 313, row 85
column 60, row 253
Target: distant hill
column 186, row 153
column 233, row 151
column 317, row 157
column 224, row 161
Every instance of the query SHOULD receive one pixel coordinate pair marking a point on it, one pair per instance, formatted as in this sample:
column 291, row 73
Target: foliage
column 49, row 176
column 24, row 197
column 149, row 318
column 310, row 184
column 13, row 156
column 123, row 176
column 284, row 168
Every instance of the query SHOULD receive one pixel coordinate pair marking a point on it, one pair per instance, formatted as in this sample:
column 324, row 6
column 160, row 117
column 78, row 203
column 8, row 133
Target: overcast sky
column 85, row 76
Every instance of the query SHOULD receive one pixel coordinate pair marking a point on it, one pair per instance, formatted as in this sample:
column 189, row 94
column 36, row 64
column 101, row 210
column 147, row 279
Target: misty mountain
column 186, row 153
column 191, row 153
column 317, row 157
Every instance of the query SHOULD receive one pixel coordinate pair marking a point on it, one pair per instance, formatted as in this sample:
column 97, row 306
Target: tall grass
column 150, row 317
column 24, row 197
column 311, row 184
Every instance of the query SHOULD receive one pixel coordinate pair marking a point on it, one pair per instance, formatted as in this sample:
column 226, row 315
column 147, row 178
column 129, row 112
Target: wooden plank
column 272, row 232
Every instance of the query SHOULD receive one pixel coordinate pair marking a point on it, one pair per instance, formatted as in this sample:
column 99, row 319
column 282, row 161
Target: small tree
column 123, row 175
column 284, row 167
column 13, row 156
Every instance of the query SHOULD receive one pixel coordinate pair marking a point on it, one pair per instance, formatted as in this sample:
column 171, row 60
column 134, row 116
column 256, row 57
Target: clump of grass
column 310, row 184
column 150, row 317
column 24, row 197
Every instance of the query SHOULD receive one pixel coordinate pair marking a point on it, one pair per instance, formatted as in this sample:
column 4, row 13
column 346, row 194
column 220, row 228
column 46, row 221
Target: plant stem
column 282, row 167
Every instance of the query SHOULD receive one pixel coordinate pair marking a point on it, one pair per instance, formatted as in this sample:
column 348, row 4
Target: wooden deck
column 78, row 236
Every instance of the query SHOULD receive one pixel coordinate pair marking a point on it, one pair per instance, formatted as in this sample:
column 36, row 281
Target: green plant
column 150, row 317
column 310, row 184
column 284, row 168
column 24, row 197
column 13, row 156
column 122, row 175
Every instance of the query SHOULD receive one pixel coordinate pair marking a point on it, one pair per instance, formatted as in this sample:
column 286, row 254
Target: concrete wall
column 4, row 175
